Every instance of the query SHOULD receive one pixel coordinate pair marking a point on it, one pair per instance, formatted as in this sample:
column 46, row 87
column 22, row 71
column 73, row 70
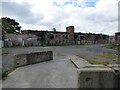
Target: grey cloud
column 101, row 18
column 21, row 11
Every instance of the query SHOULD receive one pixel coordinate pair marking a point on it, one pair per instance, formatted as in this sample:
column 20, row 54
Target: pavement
column 58, row 73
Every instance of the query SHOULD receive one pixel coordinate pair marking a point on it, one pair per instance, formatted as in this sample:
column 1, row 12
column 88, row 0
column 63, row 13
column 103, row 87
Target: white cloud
column 100, row 17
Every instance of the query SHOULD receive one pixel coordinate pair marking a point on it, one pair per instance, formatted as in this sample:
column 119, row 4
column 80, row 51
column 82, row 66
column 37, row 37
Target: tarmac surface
column 57, row 73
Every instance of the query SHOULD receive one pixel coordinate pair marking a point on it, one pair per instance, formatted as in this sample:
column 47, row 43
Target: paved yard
column 58, row 73
column 51, row 74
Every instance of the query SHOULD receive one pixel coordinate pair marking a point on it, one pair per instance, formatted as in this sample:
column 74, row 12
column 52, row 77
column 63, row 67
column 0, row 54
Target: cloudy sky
column 95, row 16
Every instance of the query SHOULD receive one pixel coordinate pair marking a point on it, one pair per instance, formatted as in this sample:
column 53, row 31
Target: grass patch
column 6, row 50
column 112, row 46
column 4, row 72
column 108, row 55
column 89, row 60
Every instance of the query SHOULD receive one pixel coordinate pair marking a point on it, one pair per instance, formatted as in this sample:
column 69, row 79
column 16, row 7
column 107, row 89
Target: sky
column 95, row 16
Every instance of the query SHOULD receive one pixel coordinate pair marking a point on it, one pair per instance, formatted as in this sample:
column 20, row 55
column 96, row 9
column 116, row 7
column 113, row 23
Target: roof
column 36, row 31
column 57, row 32
column 117, row 33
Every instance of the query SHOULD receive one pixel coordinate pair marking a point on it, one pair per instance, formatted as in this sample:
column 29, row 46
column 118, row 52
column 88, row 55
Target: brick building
column 112, row 39
column 23, row 39
column 36, row 38
column 70, row 31
column 117, row 38
column 57, row 38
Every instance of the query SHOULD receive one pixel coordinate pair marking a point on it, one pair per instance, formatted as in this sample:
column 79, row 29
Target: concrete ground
column 58, row 73
column 50, row 74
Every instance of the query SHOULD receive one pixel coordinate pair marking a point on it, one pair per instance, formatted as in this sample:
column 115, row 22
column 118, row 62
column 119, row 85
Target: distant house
column 23, row 39
column 44, row 38
column 112, row 39
column 117, row 38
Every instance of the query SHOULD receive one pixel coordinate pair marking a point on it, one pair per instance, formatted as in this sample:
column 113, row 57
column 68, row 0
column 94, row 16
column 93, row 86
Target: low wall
column 98, row 77
column 32, row 58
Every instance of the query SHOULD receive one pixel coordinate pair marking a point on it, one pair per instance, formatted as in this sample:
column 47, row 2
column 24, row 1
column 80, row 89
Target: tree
column 10, row 25
column 54, row 29
column 41, row 37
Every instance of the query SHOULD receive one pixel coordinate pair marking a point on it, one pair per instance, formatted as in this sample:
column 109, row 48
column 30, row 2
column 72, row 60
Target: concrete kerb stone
column 77, row 62
column 74, row 63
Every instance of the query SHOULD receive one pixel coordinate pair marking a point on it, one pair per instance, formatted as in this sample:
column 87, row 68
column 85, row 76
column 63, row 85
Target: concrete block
column 32, row 58
column 97, row 78
column 20, row 60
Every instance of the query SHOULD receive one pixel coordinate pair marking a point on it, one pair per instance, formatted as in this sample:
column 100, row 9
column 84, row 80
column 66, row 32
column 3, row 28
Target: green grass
column 89, row 60
column 108, row 55
column 112, row 46
column 6, row 50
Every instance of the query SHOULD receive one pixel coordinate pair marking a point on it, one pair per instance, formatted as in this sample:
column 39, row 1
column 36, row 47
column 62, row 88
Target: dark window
column 66, row 37
column 48, row 42
column 56, row 42
column 59, row 41
column 48, row 36
column 63, row 41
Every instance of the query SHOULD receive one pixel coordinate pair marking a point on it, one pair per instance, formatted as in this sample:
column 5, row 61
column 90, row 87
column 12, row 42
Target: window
column 63, row 41
column 48, row 36
column 56, row 42
column 59, row 41
column 48, row 42
column 66, row 37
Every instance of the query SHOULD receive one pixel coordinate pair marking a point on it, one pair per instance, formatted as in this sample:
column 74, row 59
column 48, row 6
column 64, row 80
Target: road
column 58, row 73
column 91, row 52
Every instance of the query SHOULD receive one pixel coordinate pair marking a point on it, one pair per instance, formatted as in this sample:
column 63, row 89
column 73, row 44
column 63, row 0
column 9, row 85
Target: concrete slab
column 58, row 73
column 97, row 78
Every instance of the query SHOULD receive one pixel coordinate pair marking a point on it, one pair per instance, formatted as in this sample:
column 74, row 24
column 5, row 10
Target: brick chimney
column 70, row 30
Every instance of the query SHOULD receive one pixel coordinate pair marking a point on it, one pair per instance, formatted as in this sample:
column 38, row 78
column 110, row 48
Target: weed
column 89, row 60
column 108, row 55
